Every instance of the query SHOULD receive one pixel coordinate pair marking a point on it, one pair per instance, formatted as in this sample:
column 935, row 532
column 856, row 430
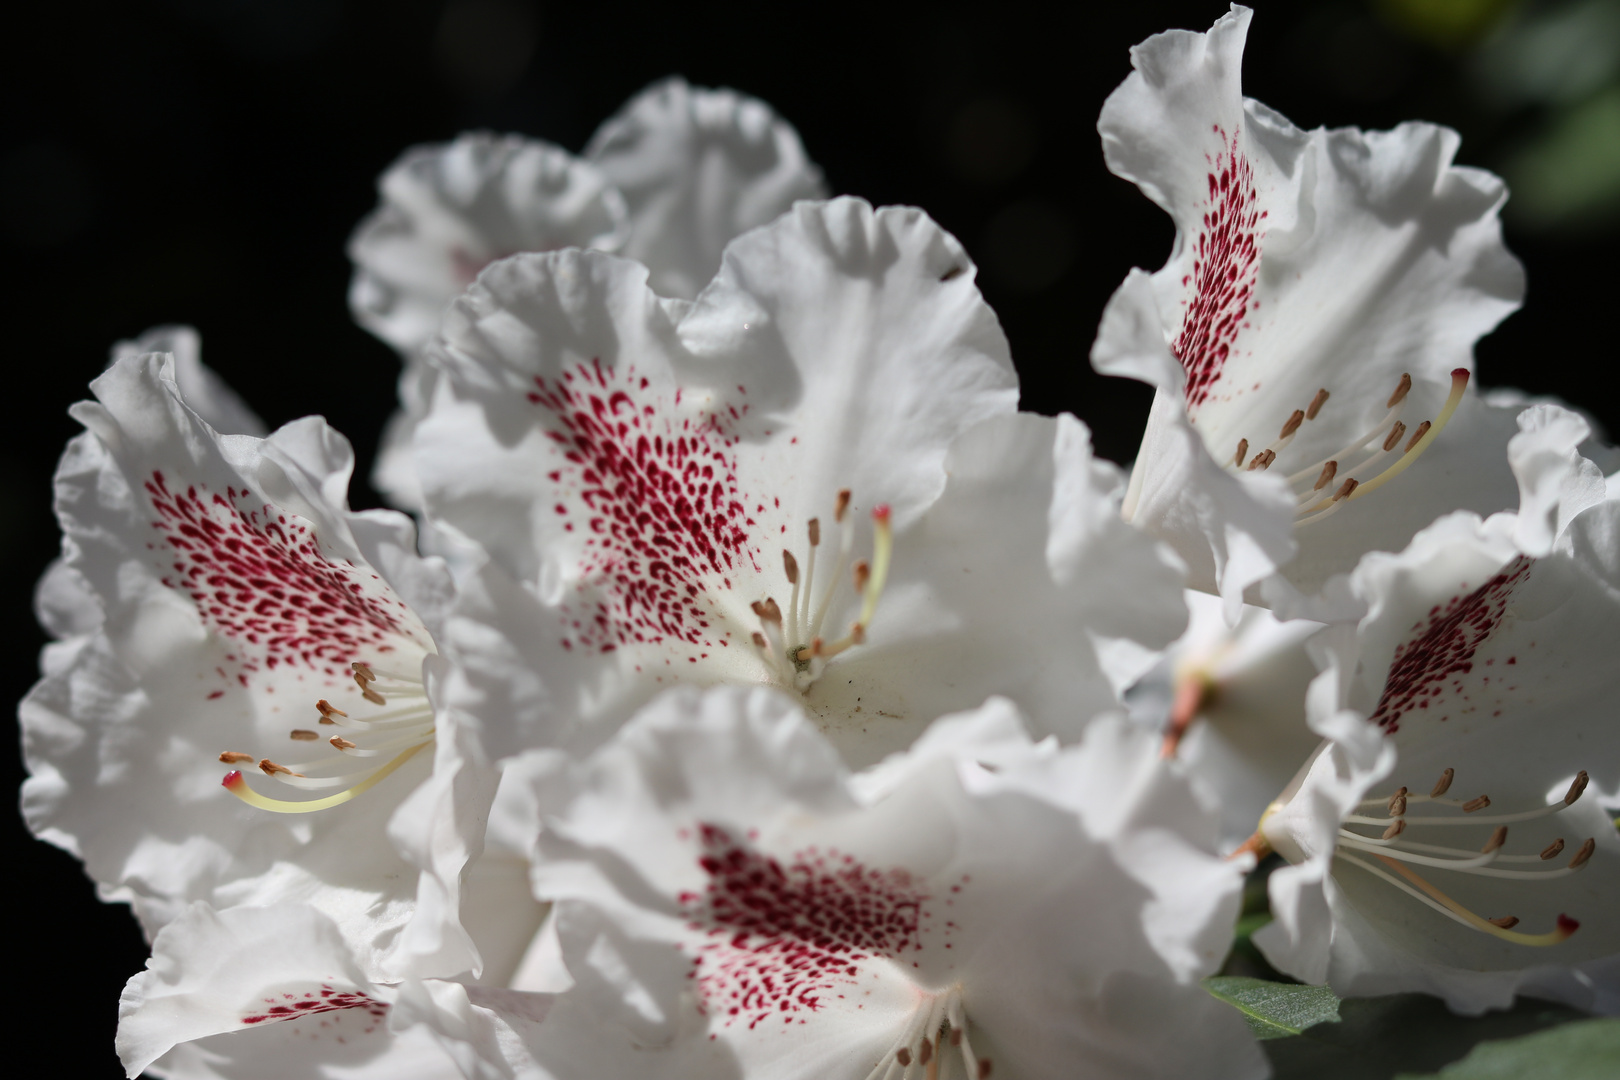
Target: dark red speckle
column 259, row 579
column 783, row 936
column 326, row 999
column 1444, row 645
column 654, row 489
column 1226, row 261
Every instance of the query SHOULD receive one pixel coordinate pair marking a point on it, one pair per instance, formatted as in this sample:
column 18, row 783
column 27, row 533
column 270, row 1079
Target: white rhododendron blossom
column 248, row 623
column 203, row 391
column 1311, row 335
column 1440, row 836
column 670, row 181
column 812, row 477
column 730, row 901
column 259, row 993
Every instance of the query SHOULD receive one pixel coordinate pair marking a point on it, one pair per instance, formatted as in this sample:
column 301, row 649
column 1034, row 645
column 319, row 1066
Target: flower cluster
column 746, row 687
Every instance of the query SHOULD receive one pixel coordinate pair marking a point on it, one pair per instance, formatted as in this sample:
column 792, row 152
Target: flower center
column 369, row 750
column 1391, row 854
column 1364, row 465
column 937, row 1031
column 791, row 641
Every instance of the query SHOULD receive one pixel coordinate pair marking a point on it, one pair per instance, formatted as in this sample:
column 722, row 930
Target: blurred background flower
column 205, row 160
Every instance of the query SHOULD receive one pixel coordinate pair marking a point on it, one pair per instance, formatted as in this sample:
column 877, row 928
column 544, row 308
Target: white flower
column 1440, row 837
column 231, row 608
column 265, row 992
column 1311, row 334
column 811, row 477
column 203, row 391
column 730, row 901
column 670, row 180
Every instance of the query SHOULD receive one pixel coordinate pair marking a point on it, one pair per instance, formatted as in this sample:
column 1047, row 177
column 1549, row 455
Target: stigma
column 368, row 750
column 1390, row 851
column 1359, row 468
column 792, row 640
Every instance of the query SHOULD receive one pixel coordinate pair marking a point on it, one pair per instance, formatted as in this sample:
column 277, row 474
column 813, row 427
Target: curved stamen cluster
column 792, row 641
column 1398, row 853
column 1322, row 487
column 381, row 743
column 937, row 1030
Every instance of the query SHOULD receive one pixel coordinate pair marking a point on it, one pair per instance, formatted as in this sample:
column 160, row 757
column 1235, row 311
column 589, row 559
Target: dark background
column 204, row 162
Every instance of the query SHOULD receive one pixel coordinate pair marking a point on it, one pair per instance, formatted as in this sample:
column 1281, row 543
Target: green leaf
column 1583, row 1050
column 1275, row 1010
column 1380, row 1038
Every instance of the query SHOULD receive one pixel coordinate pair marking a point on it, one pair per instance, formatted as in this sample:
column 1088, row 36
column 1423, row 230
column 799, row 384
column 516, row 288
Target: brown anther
column 1262, row 460
column 1442, row 785
column 1476, row 804
column 371, row 695
column 1316, row 404
column 270, row 768
column 363, row 671
column 759, row 640
column 326, row 708
column 1395, row 434
column 1576, row 786
column 857, row 633
column 1293, row 423
column 304, row 735
column 815, row 531
column 1417, row 436
column 341, row 743
column 1400, row 392
column 1551, row 850
column 956, row 1036
column 1400, row 793
column 843, row 504
column 925, row 1052
column 1346, row 489
column 1395, row 829
column 1506, row 922
column 1397, row 806
column 1328, row 472
column 329, row 720
column 816, row 647
column 790, row 566
column 862, row 572
column 1498, row 838
column 767, row 611
column 984, row 1068
column 1243, row 452
column 903, row 1056
column 1584, row 853
column 233, row 757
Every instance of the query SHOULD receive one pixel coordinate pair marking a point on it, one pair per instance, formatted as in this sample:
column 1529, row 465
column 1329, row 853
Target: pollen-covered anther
column 304, row 735
column 1498, row 838
column 768, row 611
column 341, row 743
column 1242, row 452
column 1478, row 803
column 1576, row 786
column 790, row 566
column 1346, row 489
column 1584, row 854
column 1328, row 472
column 1402, row 388
column 270, row 768
column 1397, row 803
column 1443, row 785
column 328, row 710
column 1551, row 850
column 1316, row 404
column 1395, row 829
column 234, row 757
column 1292, row 424
column 1395, row 434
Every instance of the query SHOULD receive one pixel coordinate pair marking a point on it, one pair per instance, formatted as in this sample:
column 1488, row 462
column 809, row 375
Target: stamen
column 234, row 757
column 1459, row 383
column 1401, row 390
column 304, row 735
column 1439, row 901
column 1346, row 489
column 861, row 572
column 363, row 671
column 1326, row 478
column 237, row 786
column 903, row 1056
column 1192, row 693
column 768, row 611
column 328, row 710
column 270, row 768
column 1397, row 803
column 790, row 565
column 1292, row 424
column 1479, row 803
column 1584, row 853
column 759, row 640
column 843, row 504
column 1395, row 434
column 1395, row 829
column 1498, row 838
column 1262, row 460
column 1242, row 452
column 1417, row 436
column 1576, row 786
column 1551, row 850
column 1316, row 404
column 1443, row 785
column 341, row 743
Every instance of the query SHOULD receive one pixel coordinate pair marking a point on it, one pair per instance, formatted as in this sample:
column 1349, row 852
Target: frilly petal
column 698, row 168
column 208, row 395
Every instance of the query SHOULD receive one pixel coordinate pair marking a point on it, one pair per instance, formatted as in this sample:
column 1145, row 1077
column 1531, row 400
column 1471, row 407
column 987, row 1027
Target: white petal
column 222, row 971
column 698, row 168
column 205, row 392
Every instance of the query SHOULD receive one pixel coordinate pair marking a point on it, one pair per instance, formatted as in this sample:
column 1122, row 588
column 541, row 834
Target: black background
column 203, row 162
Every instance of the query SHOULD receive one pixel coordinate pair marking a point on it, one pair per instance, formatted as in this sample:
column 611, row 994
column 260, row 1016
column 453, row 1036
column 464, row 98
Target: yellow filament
column 1552, row 937
column 239, row 787
column 1459, row 383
